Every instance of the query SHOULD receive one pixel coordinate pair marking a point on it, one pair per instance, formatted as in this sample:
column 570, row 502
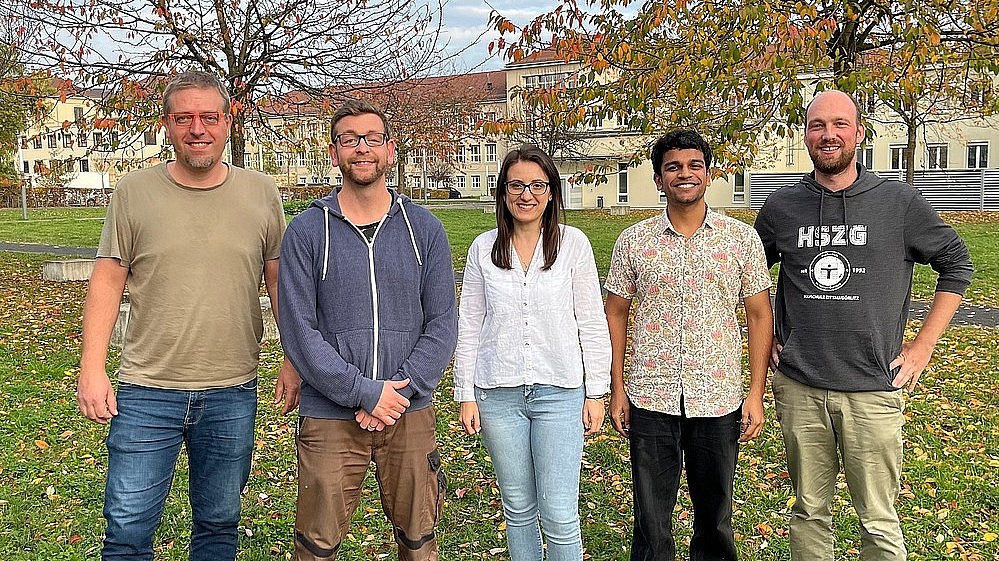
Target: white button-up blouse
column 536, row 327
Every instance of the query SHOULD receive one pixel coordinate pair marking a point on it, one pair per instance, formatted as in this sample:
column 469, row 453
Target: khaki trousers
column 865, row 428
column 333, row 458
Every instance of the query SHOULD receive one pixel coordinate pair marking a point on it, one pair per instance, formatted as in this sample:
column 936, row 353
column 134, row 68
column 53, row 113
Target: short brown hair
column 355, row 107
column 196, row 79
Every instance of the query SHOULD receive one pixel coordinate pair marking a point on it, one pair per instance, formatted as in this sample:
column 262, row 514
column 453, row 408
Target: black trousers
column 661, row 445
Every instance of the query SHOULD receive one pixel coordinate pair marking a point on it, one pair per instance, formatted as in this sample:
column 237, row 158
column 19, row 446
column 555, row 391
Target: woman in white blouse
column 533, row 359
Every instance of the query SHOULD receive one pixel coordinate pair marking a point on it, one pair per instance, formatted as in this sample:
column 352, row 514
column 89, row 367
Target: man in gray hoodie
column 847, row 241
column 371, row 324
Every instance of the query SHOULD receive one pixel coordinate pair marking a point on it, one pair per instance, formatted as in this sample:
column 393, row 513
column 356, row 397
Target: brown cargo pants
column 333, row 458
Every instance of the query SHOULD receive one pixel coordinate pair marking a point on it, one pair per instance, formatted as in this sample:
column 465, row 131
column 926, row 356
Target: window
column 149, row 138
column 99, row 140
column 67, row 139
column 868, row 102
column 865, row 156
column 26, row 166
column 548, row 80
column 78, row 114
column 490, row 152
column 622, row 184
column 23, row 142
column 51, row 140
column 476, row 183
column 81, row 138
column 279, row 159
column 936, row 156
column 897, row 157
column 69, row 165
column 979, row 93
column 978, row 155
column 84, row 164
column 301, row 180
column 36, row 142
column 739, row 187
column 459, row 183
column 302, row 159
column 476, row 153
column 459, row 154
column 491, row 183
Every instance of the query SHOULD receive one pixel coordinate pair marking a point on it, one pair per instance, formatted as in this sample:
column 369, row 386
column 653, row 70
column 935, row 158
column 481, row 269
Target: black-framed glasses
column 350, row 140
column 187, row 119
column 537, row 187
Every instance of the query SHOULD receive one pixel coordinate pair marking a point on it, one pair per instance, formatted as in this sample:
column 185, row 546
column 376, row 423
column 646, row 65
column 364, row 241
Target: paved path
column 53, row 249
column 966, row 314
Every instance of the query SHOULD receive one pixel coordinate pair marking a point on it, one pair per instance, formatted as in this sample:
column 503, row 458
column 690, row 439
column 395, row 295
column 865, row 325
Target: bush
column 295, row 207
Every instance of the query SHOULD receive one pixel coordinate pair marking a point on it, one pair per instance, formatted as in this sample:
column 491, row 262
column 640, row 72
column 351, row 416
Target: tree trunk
column 909, row 156
column 237, row 140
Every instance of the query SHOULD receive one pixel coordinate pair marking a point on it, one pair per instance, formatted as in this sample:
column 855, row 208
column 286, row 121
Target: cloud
column 466, row 28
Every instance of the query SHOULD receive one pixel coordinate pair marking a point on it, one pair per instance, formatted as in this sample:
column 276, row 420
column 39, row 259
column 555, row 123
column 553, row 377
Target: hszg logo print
column 829, row 271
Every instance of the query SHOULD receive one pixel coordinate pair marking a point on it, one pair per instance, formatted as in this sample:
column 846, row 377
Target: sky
column 465, row 21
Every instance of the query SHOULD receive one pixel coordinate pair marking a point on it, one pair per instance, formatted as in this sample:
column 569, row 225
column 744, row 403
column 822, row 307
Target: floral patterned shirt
column 686, row 339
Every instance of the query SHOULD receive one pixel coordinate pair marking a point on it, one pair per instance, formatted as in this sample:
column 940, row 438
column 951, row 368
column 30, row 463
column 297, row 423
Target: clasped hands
column 390, row 407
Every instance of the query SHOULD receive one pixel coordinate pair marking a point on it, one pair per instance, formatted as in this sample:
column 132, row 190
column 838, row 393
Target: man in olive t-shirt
column 192, row 239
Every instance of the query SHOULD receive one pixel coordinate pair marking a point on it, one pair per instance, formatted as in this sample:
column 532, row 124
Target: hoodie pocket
column 355, row 347
column 393, row 348
column 835, row 359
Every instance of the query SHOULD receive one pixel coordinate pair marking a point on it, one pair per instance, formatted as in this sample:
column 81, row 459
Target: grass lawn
column 82, row 227
column 52, row 461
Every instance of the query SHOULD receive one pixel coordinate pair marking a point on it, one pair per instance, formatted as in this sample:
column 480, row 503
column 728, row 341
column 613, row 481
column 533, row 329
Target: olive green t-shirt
column 195, row 259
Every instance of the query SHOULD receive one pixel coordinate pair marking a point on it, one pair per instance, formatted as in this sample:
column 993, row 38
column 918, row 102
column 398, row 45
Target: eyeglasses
column 537, row 187
column 187, row 119
column 350, row 140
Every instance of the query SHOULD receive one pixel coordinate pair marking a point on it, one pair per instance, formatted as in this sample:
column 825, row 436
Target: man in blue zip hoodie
column 847, row 241
column 371, row 324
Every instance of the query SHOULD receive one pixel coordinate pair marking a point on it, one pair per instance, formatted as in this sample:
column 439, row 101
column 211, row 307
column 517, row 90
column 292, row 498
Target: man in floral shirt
column 687, row 268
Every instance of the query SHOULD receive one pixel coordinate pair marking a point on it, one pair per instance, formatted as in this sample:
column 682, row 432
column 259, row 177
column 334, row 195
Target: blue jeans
column 661, row 445
column 216, row 427
column 534, row 435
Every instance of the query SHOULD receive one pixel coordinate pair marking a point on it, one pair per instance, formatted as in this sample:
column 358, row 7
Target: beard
column 199, row 162
column 832, row 166
column 364, row 179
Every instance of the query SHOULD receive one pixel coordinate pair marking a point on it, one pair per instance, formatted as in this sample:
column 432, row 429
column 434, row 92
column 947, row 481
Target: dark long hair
column 551, row 234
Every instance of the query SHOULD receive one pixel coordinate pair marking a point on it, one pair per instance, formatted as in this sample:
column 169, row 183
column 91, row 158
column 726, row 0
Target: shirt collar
column 712, row 220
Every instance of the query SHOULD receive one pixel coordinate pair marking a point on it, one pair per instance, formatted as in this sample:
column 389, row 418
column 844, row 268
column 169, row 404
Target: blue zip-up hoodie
column 354, row 313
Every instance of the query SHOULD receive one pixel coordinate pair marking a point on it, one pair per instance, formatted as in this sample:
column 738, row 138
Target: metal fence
column 945, row 189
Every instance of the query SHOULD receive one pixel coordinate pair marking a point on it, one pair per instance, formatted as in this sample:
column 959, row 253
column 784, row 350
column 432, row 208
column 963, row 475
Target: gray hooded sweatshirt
column 845, row 278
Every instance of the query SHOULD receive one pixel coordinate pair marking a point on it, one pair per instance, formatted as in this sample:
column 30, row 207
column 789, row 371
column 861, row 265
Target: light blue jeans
column 216, row 427
column 534, row 435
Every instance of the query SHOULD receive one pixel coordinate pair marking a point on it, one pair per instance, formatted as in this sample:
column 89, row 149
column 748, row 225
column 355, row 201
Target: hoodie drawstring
column 405, row 216
column 412, row 236
column 326, row 252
